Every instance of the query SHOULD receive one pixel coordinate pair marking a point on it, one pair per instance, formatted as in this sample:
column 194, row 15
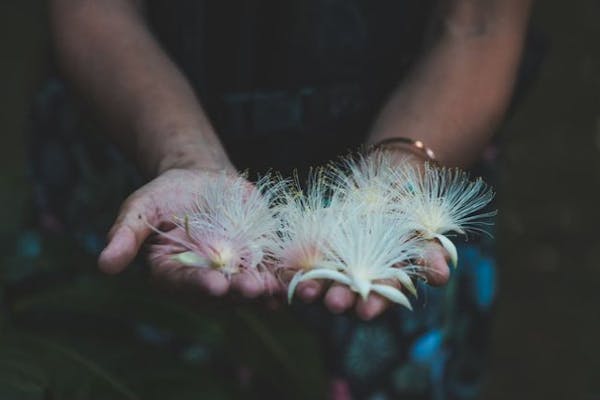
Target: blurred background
column 546, row 330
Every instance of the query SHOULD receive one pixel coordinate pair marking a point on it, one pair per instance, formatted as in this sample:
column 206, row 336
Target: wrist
column 183, row 141
column 402, row 150
column 195, row 157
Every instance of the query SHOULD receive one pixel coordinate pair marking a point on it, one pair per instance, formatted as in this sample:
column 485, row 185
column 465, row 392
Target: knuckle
column 132, row 205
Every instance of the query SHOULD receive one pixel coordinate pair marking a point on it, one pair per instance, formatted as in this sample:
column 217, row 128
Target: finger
column 126, row 236
column 372, row 307
column 156, row 251
column 119, row 252
column 339, row 298
column 311, row 290
column 273, row 286
column 171, row 237
column 167, row 226
column 247, row 284
column 188, row 279
column 436, row 268
column 213, row 282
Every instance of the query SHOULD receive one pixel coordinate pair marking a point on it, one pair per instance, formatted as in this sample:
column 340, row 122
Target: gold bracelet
column 415, row 144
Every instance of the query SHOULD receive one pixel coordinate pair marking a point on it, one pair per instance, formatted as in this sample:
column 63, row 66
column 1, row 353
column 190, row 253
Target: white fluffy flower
column 230, row 226
column 366, row 180
column 440, row 200
column 305, row 222
column 362, row 250
column 345, row 229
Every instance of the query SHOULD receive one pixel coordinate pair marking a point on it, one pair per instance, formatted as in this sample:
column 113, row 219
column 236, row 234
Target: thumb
column 437, row 270
column 127, row 235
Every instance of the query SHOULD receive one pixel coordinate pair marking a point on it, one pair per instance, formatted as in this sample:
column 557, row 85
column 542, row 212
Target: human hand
column 434, row 264
column 339, row 298
column 154, row 205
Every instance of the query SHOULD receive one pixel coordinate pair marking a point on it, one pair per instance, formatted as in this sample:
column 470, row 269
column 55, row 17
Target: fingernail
column 309, row 291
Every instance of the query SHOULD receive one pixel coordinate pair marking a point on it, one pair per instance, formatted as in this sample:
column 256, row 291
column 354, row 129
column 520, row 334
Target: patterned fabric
column 436, row 352
column 79, row 179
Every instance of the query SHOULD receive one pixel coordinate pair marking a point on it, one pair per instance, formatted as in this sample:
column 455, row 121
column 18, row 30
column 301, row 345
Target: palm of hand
column 154, row 205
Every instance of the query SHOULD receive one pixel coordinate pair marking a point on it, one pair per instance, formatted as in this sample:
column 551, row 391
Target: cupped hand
column 339, row 298
column 154, row 205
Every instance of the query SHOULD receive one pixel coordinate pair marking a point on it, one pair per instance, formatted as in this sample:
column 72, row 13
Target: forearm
column 459, row 91
column 151, row 110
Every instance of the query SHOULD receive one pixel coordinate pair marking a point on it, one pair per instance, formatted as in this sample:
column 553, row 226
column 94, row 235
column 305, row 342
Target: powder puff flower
column 367, row 180
column 381, row 210
column 439, row 200
column 334, row 232
column 229, row 227
column 305, row 222
column 362, row 250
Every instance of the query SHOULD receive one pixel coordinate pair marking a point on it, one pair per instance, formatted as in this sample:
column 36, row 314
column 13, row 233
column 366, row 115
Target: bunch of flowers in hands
column 364, row 222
